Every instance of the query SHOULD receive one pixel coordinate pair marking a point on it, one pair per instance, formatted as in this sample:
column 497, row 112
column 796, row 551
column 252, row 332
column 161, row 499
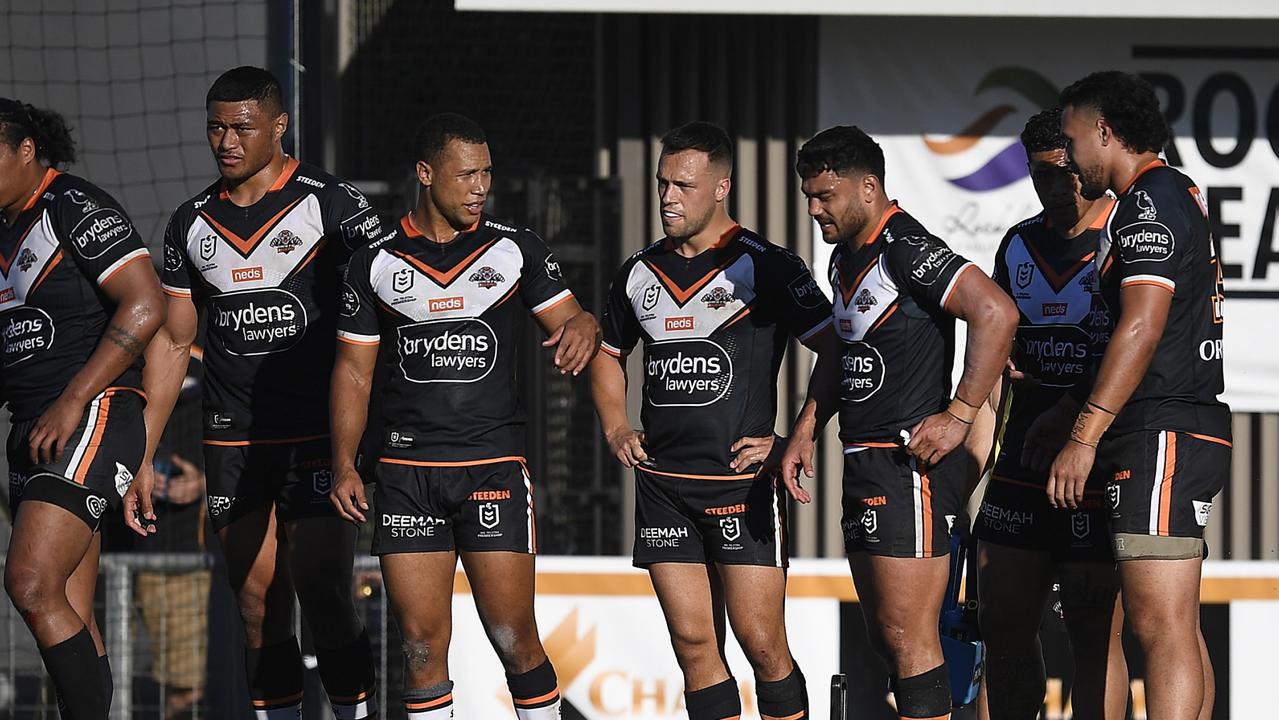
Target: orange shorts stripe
column 1165, row 492
column 280, row 441
column 796, row 716
column 288, row 700
column 99, row 428
column 747, row 476
column 926, row 497
column 1211, row 439
column 463, row 463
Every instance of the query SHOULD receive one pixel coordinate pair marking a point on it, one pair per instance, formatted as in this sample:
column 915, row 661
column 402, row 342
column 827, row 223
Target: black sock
column 536, row 689
column 785, row 698
column 716, row 702
column 68, row 663
column 275, row 675
column 349, row 678
column 108, row 684
column 926, row 695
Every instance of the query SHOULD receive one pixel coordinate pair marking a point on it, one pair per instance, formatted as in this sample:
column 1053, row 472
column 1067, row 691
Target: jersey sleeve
column 351, row 218
column 1000, row 272
column 97, row 234
column 927, row 268
column 175, row 277
column 357, row 307
column 802, row 307
column 541, row 281
column 1148, row 241
column 619, row 326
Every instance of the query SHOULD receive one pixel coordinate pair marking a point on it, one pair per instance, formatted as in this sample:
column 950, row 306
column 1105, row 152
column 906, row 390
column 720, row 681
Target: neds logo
column 447, row 304
column 676, row 324
column 248, row 274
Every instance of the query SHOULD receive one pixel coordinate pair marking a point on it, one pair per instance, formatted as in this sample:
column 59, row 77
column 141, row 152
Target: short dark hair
column 46, row 128
column 1129, row 105
column 248, row 83
column 434, row 134
column 1043, row 132
column 840, row 149
column 701, row 136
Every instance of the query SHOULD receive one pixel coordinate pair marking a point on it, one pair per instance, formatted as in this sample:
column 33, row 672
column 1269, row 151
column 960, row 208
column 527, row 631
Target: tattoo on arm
column 125, row 339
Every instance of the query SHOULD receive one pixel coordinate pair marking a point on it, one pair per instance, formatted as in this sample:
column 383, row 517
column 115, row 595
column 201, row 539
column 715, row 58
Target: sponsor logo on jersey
column 308, row 181
column 1025, row 274
column 663, row 537
column 490, row 515
column 651, row 294
column 448, row 304
column 1145, row 241
column 870, row 521
column 1005, row 520
column 1146, row 205
column 367, row 228
column 929, row 268
column 731, row 527
column 487, row 278
column 248, row 274
column 482, row 495
column 805, row 291
column 460, row 350
column 863, row 375
column 17, row 481
column 172, row 258
column 258, row 322
column 397, row 439
column 286, row 242
column 123, row 479
column 26, row 259
column 349, row 303
column 865, row 300
column 27, row 331
column 679, row 324
column 411, row 526
column 1054, row 309
column 1210, row 350
column 220, row 421
column 1089, row 281
column 402, row 280
column 7, row 294
column 1080, row 525
column 208, row 246
column 1056, row 354
column 686, row 373
column 96, row 505
column 727, row 509
column 553, row 270
column 322, row 481
column 845, row 325
column 83, row 201
column 499, row 226
column 100, row 231
column 718, row 297
column 875, row 501
column 1202, row 511
column 356, row 195
column 219, row 504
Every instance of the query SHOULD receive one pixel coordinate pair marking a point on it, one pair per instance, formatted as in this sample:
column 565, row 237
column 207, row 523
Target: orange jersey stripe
column 463, row 463
column 280, row 441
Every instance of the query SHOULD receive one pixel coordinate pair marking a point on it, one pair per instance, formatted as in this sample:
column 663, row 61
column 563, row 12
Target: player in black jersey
column 439, row 301
column 1152, row 425
column 79, row 301
column 1046, row 265
column 259, row 253
column 715, row 306
column 898, row 290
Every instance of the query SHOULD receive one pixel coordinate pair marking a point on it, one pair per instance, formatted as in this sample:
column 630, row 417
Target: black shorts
column 97, row 466
column 1161, row 485
column 295, row 475
column 1016, row 514
column 893, row 509
column 482, row 506
column 688, row 520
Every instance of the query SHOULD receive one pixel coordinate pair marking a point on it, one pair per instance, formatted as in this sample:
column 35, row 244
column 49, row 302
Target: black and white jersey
column 714, row 327
column 447, row 317
column 54, row 259
column 1063, row 327
column 890, row 298
column 267, row 278
column 1159, row 235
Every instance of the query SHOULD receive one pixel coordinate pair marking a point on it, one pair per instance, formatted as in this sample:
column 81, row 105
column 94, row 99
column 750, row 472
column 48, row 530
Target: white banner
column 946, row 100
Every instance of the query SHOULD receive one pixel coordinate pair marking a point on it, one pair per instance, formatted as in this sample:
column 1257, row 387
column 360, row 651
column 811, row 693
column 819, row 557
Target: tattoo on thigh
column 126, row 340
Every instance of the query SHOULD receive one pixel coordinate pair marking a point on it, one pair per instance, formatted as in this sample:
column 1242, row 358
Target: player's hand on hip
column 49, row 437
column 935, row 436
column 575, row 343
column 348, row 497
column 139, row 514
column 1069, row 474
column 749, row 451
column 798, row 457
column 627, row 445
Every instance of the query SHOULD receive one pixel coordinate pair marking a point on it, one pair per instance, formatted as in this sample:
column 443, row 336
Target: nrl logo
column 731, row 527
column 651, row 294
column 208, row 245
column 1112, row 491
column 286, row 242
column 402, row 280
column 322, row 481
column 717, row 298
column 865, row 301
column 490, row 515
column 486, row 277
column 870, row 521
column 1025, row 273
column 1081, row 524
column 26, row 259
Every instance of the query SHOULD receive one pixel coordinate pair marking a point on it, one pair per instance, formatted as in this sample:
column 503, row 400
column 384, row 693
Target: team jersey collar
column 719, row 244
column 1149, row 166
column 892, row 210
column 290, row 167
column 49, row 175
column 406, row 224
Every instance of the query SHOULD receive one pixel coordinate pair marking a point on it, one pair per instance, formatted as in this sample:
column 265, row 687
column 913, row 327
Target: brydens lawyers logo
column 717, row 298
column 865, row 301
column 486, row 277
column 286, row 242
column 1009, row 164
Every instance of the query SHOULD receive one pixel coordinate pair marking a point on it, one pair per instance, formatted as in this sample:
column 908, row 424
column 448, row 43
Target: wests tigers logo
column 717, row 298
column 865, row 301
column 486, row 277
column 286, row 242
